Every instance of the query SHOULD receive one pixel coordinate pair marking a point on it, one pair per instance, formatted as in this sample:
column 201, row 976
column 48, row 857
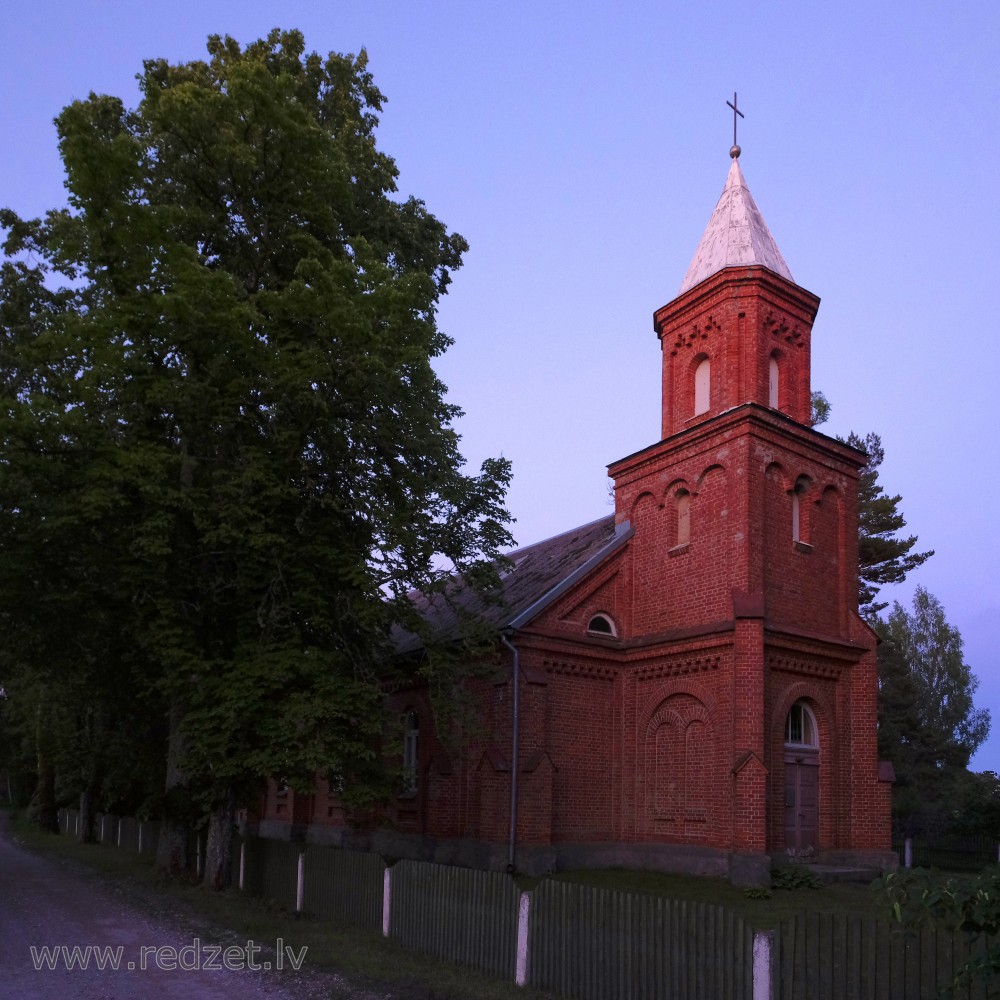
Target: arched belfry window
column 602, row 624
column 800, row 727
column 411, row 750
column 702, row 386
column 772, row 382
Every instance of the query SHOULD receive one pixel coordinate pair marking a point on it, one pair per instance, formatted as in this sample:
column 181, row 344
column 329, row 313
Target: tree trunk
column 219, row 849
column 85, row 834
column 171, row 851
column 42, row 807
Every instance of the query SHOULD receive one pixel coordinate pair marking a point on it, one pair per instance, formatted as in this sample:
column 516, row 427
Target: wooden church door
column 801, row 805
column 801, row 782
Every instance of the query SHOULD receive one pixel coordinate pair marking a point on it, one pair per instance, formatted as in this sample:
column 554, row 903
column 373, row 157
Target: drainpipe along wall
column 515, row 677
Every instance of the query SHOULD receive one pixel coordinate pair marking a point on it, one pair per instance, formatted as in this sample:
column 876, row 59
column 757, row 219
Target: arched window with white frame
column 800, row 727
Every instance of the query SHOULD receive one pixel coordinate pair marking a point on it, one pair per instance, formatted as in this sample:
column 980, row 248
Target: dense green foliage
column 929, row 726
column 225, row 458
column 919, row 898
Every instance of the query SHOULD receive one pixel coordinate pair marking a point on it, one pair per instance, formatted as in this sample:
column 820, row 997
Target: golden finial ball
column 735, row 152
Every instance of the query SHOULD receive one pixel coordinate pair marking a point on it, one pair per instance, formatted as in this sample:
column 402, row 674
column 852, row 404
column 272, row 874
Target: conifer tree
column 883, row 556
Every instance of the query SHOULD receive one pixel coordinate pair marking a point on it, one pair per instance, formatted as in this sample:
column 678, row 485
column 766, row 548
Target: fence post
column 523, row 927
column 120, row 821
column 300, row 883
column 908, row 853
column 763, row 965
column 386, row 902
column 243, row 861
column 140, row 836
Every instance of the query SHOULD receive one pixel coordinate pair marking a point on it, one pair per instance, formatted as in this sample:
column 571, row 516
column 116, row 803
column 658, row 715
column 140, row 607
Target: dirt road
column 65, row 936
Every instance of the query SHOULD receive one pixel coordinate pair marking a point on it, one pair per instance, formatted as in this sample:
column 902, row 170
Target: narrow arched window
column 798, row 527
column 702, row 386
column 772, row 383
column 800, row 727
column 411, row 748
column 683, row 517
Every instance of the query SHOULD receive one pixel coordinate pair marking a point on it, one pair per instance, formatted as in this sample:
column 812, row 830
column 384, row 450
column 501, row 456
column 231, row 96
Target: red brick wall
column 673, row 730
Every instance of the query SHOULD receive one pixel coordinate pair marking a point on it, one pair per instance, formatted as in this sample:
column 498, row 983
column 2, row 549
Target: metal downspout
column 515, row 736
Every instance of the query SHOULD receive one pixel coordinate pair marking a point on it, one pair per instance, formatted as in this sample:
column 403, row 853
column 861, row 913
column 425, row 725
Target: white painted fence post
column 386, row 902
column 300, row 885
column 763, row 965
column 908, row 853
column 523, row 926
column 243, row 862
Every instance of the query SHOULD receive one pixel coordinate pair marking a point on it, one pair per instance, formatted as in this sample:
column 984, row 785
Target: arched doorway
column 801, row 782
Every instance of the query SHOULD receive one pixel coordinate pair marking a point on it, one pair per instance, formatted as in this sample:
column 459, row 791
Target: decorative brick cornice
column 677, row 667
column 804, row 667
column 593, row 670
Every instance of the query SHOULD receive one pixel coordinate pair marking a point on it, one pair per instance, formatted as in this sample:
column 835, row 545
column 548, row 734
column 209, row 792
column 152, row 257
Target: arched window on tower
column 772, row 383
column 411, row 750
column 798, row 526
column 683, row 517
column 702, row 386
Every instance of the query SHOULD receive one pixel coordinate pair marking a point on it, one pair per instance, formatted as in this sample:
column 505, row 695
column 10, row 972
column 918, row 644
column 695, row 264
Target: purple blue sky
column 581, row 147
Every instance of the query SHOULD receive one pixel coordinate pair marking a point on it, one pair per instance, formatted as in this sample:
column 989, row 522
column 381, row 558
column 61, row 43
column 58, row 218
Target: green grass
column 761, row 914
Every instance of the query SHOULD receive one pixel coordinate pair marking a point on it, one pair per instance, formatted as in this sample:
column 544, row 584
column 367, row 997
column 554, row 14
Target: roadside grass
column 761, row 914
column 365, row 959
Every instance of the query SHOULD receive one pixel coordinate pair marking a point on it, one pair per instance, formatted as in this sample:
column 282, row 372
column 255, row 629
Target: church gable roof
column 736, row 236
column 539, row 574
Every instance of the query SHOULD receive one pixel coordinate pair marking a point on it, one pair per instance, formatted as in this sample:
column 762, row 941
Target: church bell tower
column 743, row 568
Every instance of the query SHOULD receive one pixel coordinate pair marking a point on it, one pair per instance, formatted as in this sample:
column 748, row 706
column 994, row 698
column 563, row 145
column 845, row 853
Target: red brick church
column 686, row 684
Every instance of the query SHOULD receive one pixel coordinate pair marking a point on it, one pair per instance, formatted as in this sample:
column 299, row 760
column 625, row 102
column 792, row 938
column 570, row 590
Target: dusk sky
column 581, row 147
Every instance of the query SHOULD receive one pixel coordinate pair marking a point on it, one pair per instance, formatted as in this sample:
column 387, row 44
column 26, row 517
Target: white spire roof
column 736, row 236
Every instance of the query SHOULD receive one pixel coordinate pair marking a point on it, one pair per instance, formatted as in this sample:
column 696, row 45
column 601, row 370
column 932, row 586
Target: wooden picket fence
column 594, row 944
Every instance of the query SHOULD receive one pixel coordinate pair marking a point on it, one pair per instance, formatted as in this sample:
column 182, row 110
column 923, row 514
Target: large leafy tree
column 929, row 726
column 221, row 351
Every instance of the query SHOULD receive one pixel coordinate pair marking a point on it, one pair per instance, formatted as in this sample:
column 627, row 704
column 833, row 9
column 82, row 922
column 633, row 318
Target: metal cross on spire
column 735, row 151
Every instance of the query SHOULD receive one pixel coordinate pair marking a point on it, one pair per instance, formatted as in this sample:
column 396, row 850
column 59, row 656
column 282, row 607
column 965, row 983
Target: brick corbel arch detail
column 684, row 686
column 703, row 475
column 775, row 471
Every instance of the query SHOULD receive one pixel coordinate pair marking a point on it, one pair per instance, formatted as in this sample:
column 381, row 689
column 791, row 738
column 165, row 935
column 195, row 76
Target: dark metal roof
column 538, row 575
